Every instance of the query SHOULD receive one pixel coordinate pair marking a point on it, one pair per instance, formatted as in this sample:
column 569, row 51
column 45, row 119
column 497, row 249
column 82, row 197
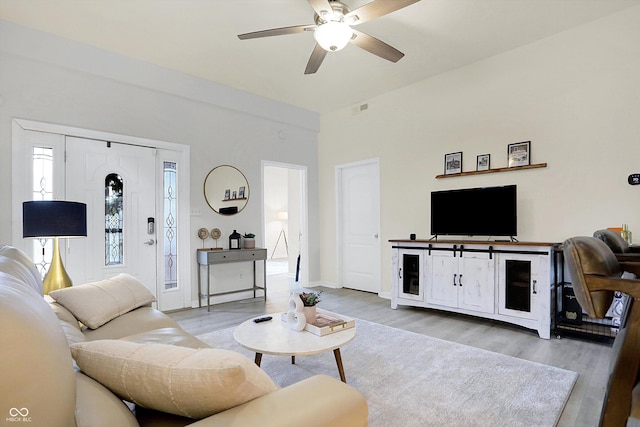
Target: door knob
column 150, row 242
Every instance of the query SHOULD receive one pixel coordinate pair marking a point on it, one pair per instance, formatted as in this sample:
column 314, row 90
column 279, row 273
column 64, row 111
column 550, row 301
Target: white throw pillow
column 94, row 304
column 190, row 382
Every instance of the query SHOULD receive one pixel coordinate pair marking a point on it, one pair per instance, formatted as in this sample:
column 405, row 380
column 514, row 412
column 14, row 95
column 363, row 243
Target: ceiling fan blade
column 277, row 32
column 375, row 46
column 375, row 9
column 322, row 7
column 317, row 56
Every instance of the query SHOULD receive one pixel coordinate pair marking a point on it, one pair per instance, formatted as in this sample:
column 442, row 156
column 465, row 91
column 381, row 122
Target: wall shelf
column 515, row 168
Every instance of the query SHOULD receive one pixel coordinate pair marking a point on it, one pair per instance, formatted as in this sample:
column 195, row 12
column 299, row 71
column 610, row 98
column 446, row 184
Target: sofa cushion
column 94, row 304
column 194, row 383
column 71, row 333
column 16, row 263
column 96, row 406
column 136, row 321
column 62, row 313
column 173, row 336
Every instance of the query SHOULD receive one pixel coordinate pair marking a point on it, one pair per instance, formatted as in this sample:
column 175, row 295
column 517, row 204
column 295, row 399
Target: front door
column 359, row 223
column 118, row 184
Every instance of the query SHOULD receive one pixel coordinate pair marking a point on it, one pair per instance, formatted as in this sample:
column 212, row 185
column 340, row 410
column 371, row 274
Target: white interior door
column 358, row 225
column 88, row 164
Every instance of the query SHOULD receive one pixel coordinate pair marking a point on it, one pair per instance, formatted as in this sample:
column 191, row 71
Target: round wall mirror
column 226, row 190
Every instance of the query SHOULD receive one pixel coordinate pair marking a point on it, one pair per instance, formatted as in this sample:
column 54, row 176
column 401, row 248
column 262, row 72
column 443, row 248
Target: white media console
column 506, row 281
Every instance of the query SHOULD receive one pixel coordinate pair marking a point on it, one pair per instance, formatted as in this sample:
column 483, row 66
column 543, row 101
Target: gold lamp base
column 57, row 277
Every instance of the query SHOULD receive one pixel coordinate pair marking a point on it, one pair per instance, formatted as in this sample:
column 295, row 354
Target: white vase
column 310, row 313
column 249, row 243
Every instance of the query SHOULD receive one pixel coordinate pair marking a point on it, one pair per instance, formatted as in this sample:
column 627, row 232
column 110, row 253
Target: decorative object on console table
column 483, row 162
column 215, row 235
column 249, row 241
column 234, row 240
column 54, row 218
column 519, row 154
column 203, row 233
column 453, row 163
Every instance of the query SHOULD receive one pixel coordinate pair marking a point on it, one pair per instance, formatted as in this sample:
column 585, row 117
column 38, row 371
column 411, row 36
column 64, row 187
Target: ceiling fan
column 332, row 29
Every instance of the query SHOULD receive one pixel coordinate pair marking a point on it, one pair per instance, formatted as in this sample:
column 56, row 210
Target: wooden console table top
column 472, row 242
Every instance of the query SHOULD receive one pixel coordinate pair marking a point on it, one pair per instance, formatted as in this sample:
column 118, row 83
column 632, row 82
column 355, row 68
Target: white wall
column 49, row 79
column 575, row 95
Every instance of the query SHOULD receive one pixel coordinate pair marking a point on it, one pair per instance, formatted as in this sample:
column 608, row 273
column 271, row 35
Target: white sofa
column 40, row 383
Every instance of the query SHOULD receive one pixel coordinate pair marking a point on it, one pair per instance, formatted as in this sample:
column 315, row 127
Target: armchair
column 596, row 274
column 618, row 245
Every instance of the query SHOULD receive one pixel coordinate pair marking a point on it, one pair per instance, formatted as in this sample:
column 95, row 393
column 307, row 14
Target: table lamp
column 54, row 218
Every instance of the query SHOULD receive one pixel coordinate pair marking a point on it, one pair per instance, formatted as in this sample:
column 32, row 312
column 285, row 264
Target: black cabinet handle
column 460, row 280
column 454, row 279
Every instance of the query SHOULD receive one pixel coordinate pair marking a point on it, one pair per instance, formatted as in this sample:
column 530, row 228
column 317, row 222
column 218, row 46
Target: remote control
column 262, row 319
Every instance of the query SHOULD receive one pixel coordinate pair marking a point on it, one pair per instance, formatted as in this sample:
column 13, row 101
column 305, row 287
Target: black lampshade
column 54, row 218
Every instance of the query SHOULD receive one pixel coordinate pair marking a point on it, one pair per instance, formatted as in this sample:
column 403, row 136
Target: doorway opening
column 284, row 224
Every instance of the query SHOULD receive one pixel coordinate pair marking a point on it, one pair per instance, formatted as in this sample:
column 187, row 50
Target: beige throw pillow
column 94, row 304
column 190, row 382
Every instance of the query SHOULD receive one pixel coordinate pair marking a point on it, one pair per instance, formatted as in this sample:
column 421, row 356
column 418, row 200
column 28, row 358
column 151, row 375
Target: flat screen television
column 488, row 211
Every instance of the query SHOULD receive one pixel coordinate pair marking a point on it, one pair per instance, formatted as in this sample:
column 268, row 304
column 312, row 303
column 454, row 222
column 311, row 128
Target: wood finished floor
column 590, row 360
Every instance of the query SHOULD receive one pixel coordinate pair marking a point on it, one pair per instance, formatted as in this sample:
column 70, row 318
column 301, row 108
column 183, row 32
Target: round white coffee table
column 276, row 338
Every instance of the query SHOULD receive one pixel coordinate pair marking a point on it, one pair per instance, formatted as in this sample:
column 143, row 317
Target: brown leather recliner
column 596, row 274
column 618, row 245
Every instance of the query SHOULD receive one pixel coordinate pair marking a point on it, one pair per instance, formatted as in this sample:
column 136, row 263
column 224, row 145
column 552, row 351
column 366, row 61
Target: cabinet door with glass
column 411, row 270
column 519, row 285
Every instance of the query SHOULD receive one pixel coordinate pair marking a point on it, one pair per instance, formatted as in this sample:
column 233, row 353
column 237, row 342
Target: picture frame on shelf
column 453, row 163
column 483, row 162
column 519, row 154
column 241, row 193
column 227, row 194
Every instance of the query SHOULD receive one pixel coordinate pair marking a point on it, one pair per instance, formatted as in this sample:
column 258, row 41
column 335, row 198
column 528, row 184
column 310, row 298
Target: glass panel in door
column 518, row 285
column 411, row 274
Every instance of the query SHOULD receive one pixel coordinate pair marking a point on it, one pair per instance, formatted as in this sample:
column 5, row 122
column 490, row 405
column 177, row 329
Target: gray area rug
column 410, row 379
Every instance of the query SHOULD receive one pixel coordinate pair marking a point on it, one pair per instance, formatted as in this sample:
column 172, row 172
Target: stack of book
column 326, row 323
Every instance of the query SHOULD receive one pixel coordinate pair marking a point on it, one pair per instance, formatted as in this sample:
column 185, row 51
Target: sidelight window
column 42, row 189
column 170, row 230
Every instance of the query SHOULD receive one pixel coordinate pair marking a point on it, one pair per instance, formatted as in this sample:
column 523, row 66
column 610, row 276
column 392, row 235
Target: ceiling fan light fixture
column 333, row 35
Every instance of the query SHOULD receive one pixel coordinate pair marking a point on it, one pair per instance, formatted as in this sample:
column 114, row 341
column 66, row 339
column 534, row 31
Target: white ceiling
column 198, row 37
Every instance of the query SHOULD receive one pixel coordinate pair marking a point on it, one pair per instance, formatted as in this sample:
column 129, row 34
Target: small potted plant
column 249, row 241
column 309, row 300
